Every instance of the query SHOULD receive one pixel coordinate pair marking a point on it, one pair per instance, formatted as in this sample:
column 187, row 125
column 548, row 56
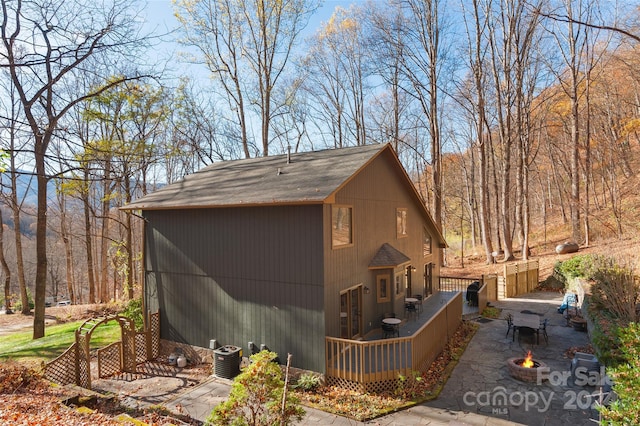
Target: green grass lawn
column 21, row 347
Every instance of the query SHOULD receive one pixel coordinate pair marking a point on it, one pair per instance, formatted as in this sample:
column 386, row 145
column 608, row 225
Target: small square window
column 341, row 226
column 401, row 223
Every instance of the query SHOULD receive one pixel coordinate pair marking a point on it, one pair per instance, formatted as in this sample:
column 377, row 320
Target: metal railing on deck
column 456, row 283
column 461, row 284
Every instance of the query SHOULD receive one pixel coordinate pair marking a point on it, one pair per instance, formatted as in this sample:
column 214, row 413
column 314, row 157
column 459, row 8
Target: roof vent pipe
column 288, row 154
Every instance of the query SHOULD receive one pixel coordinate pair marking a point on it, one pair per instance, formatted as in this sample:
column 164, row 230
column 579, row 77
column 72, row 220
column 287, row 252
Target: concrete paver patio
column 481, row 376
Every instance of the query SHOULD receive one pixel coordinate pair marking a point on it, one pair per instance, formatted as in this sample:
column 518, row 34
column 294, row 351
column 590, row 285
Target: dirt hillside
column 475, row 265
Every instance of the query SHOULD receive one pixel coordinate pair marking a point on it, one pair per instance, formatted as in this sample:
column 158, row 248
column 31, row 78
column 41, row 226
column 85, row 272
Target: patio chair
column 419, row 302
column 389, row 331
column 569, row 308
column 510, row 327
column 410, row 308
column 568, row 300
column 543, row 330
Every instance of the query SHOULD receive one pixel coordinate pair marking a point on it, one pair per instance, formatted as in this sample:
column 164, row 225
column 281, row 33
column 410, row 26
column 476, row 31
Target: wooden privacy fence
column 374, row 366
column 74, row 365
column 491, row 287
column 520, row 278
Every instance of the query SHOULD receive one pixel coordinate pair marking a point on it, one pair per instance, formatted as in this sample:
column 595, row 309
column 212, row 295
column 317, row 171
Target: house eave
column 154, row 207
column 392, row 266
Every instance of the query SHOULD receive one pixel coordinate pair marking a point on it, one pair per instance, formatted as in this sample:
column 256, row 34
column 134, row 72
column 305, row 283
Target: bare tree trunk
column 88, row 242
column 5, row 270
column 15, row 209
column 591, row 61
column 511, row 39
column 587, row 158
column 573, row 45
column 575, row 165
column 470, row 203
column 422, row 65
column 505, row 205
column 68, row 251
column 520, row 165
column 477, row 65
column 555, row 177
column 14, row 204
column 129, row 248
column 525, row 201
column 104, row 236
column 485, row 209
column 128, row 240
column 41, row 235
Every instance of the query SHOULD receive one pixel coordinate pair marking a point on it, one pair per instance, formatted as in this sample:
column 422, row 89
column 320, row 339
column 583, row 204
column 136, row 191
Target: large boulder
column 567, row 247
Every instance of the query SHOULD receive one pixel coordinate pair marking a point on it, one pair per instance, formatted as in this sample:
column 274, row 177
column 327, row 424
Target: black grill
column 472, row 293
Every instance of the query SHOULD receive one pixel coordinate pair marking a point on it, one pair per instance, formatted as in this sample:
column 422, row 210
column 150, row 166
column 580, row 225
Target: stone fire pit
column 522, row 373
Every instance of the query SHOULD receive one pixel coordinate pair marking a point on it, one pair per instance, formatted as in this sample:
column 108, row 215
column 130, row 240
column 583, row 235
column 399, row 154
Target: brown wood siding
column 375, row 193
column 240, row 275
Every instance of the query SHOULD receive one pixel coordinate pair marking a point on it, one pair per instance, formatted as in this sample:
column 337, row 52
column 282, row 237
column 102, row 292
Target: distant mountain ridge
column 26, row 188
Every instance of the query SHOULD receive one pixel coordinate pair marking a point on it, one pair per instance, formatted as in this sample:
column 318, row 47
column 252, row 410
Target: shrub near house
column 256, row 396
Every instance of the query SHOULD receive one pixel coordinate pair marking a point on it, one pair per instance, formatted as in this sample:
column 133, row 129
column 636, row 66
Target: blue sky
column 160, row 20
column 160, row 13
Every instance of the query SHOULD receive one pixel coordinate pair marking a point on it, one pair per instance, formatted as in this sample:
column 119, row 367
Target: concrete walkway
column 480, row 391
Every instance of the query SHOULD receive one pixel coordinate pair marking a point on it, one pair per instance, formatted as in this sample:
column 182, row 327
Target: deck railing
column 482, row 297
column 375, row 365
column 455, row 283
column 490, row 281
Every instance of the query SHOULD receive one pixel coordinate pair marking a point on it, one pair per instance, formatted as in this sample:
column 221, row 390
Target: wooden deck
column 374, row 364
column 430, row 306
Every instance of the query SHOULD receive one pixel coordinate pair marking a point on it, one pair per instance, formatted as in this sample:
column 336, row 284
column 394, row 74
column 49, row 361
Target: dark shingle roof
column 388, row 257
column 310, row 177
